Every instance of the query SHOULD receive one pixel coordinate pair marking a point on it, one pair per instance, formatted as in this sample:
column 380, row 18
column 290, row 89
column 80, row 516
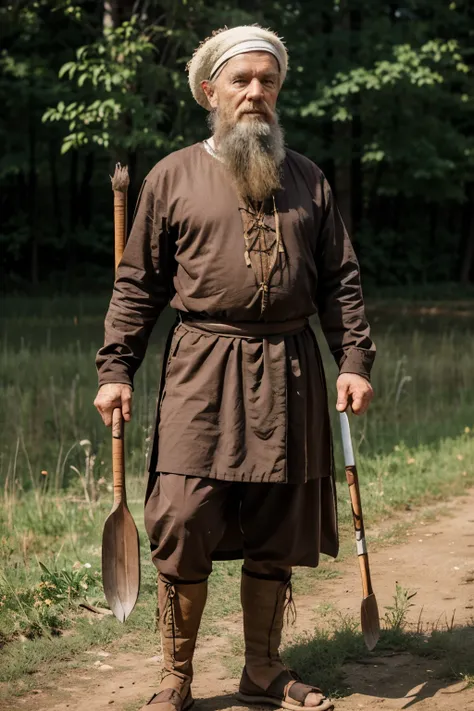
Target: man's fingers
column 342, row 397
column 104, row 412
column 126, row 405
column 355, row 390
column 106, row 416
column 114, row 395
column 361, row 402
column 357, row 405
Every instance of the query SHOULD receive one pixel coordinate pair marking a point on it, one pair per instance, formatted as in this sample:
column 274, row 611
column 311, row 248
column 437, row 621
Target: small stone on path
column 102, row 667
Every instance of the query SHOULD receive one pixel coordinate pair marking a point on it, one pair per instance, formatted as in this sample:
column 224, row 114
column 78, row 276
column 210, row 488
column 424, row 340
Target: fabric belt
column 248, row 330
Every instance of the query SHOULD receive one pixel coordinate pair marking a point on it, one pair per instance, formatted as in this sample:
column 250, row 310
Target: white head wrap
column 211, row 56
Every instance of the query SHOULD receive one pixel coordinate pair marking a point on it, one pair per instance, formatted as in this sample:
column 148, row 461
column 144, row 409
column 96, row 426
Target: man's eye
column 238, row 81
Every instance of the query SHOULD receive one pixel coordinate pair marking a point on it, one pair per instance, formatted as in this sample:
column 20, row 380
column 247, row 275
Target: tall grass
column 423, row 379
column 415, row 444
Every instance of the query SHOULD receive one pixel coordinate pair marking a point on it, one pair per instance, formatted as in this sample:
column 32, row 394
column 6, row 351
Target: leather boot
column 263, row 605
column 180, row 608
column 265, row 679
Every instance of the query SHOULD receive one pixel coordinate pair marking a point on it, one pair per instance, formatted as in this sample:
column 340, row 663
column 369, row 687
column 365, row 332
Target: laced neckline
column 256, row 231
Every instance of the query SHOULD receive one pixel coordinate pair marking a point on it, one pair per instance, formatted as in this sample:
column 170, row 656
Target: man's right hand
column 112, row 395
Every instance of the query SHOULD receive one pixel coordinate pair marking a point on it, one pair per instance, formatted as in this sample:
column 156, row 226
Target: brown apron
column 272, row 331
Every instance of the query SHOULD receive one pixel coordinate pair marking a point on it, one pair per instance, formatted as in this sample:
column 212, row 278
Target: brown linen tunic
column 241, row 399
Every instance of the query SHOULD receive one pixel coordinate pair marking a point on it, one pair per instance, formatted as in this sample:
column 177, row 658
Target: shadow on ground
column 404, row 665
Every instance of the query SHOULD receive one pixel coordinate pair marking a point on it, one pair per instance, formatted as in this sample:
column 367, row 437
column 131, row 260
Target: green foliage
column 395, row 617
column 119, row 70
column 380, row 96
column 67, row 585
column 388, row 253
column 319, row 656
column 42, row 608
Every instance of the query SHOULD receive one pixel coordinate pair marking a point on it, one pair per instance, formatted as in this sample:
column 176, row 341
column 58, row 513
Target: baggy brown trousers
column 192, row 521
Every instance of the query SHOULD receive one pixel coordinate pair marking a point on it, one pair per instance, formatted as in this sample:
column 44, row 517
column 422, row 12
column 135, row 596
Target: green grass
column 320, row 657
column 414, row 447
column 423, row 378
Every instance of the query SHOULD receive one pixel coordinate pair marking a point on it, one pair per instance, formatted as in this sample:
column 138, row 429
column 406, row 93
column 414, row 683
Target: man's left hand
column 354, row 390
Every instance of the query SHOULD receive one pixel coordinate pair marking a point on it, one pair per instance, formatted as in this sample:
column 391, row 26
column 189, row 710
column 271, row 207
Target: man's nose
column 255, row 90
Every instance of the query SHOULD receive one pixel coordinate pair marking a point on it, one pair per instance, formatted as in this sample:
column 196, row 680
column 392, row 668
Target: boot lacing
column 289, row 610
column 169, row 613
column 285, row 591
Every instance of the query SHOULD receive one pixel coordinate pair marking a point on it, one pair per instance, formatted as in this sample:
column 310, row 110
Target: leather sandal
column 286, row 691
column 172, row 699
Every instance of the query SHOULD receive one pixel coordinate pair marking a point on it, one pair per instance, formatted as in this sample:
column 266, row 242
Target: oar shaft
column 118, row 456
column 358, row 520
column 357, row 516
column 120, row 220
column 365, row 575
column 120, row 181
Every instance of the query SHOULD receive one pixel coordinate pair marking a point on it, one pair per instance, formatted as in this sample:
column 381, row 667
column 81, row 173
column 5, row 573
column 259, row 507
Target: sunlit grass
column 415, row 446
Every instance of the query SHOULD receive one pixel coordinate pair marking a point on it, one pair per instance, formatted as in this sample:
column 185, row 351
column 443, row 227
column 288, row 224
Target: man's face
column 247, row 88
column 245, row 124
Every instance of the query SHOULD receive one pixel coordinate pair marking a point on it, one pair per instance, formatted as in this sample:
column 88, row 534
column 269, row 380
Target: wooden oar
column 369, row 613
column 120, row 542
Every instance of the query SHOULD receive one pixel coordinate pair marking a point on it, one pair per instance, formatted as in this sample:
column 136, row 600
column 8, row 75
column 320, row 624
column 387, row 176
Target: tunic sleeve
column 140, row 293
column 339, row 294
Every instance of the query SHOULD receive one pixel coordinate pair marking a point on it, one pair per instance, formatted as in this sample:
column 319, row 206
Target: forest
column 379, row 94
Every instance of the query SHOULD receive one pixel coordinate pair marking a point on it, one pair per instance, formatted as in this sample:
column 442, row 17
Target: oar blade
column 121, row 562
column 370, row 621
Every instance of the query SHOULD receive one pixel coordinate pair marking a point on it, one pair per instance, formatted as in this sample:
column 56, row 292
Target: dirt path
column 436, row 561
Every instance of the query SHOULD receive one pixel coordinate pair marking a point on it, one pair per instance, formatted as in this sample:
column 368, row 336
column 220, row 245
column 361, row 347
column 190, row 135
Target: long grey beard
column 253, row 152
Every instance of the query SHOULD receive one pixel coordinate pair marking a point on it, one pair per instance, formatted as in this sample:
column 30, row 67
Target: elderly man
column 243, row 238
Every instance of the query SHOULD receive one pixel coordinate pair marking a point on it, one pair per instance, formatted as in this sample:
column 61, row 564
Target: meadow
column 415, row 446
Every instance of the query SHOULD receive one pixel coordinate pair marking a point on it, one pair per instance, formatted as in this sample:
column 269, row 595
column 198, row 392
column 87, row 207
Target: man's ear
column 210, row 92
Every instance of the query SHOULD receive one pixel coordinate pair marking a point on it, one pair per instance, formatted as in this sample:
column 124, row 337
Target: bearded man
column 243, row 238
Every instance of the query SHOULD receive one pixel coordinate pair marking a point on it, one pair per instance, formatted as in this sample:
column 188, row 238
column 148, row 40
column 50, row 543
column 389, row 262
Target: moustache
column 260, row 109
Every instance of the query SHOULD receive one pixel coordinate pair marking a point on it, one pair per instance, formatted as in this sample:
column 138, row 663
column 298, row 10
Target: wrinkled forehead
column 252, row 63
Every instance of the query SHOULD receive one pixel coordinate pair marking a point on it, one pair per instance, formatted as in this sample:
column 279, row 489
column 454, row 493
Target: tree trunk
column 115, row 12
column 85, row 195
column 71, row 246
column 134, row 187
column 53, row 167
column 357, row 177
column 32, row 185
column 343, row 138
column 342, row 173
column 73, row 212
column 326, row 21
column 467, row 262
column 118, row 11
column 110, row 15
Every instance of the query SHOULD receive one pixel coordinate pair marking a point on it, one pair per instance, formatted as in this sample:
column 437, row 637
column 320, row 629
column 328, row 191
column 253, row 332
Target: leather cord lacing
column 169, row 614
column 290, row 606
column 285, row 591
column 255, row 232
